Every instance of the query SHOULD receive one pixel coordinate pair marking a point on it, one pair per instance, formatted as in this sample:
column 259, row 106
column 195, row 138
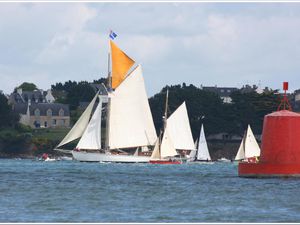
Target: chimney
column 19, row 91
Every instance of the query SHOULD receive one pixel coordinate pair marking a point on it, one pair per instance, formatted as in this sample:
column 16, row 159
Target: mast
column 166, row 110
column 164, row 121
column 108, row 103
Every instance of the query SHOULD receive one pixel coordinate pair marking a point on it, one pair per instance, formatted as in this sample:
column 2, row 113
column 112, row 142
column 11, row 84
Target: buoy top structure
column 280, row 148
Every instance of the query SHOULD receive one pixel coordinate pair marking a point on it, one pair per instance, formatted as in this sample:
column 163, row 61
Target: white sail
column 156, row 153
column 251, row 147
column 193, row 153
column 178, row 126
column 130, row 121
column 79, row 127
column 241, row 152
column 203, row 153
column 91, row 138
column 167, row 148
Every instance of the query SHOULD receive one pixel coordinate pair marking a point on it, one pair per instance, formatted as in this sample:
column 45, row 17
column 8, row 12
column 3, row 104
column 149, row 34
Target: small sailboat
column 129, row 122
column 249, row 149
column 164, row 151
column 202, row 152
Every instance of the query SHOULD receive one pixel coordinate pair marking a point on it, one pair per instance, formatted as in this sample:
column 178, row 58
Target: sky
column 223, row 44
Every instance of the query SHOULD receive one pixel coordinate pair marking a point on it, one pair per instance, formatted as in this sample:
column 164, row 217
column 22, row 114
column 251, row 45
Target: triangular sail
column 130, row 120
column 79, row 127
column 179, row 129
column 241, row 152
column 91, row 138
column 167, row 148
column 156, row 153
column 193, row 153
column 251, row 147
column 121, row 63
column 203, row 153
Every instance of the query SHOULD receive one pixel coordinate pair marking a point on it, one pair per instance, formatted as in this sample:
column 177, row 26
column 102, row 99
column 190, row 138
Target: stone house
column 38, row 110
column 43, row 115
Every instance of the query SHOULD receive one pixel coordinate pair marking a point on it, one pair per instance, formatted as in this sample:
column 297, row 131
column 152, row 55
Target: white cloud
column 201, row 43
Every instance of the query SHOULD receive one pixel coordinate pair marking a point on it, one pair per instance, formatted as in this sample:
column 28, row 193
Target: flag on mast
column 112, row 35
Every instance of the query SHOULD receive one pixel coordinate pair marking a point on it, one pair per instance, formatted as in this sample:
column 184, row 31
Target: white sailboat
column 129, row 122
column 202, row 152
column 164, row 151
column 248, row 148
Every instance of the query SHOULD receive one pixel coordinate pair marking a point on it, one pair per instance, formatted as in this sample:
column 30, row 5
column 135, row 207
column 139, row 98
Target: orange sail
column 121, row 63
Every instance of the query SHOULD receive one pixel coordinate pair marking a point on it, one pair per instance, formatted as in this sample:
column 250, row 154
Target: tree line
column 203, row 106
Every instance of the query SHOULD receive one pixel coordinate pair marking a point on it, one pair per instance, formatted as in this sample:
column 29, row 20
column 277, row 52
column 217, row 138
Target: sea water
column 70, row 191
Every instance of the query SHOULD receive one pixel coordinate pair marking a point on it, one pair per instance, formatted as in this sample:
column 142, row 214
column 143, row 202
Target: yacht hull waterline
column 84, row 156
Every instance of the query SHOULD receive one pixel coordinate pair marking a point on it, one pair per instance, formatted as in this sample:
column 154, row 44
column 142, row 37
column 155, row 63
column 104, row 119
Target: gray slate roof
column 32, row 95
column 43, row 107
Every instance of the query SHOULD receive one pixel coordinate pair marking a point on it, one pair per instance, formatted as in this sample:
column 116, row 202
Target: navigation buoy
column 280, row 149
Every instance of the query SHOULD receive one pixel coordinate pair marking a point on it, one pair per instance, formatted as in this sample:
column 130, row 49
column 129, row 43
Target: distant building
column 38, row 110
column 223, row 92
column 43, row 115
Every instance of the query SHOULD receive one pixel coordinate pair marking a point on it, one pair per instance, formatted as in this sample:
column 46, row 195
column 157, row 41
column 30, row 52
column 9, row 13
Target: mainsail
column 130, row 120
column 179, row 129
column 121, row 63
column 203, row 153
column 81, row 124
column 91, row 138
column 251, row 146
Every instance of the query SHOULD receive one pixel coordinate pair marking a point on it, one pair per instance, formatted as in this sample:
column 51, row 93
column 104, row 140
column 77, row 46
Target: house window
column 61, row 112
column 228, row 91
column 37, row 124
column 46, row 124
column 222, row 90
column 37, row 112
column 54, row 122
column 49, row 112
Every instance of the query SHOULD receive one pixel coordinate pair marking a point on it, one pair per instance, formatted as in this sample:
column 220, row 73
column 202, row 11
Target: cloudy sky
column 224, row 44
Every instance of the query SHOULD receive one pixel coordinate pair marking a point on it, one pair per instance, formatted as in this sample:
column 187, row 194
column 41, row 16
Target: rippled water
column 32, row 191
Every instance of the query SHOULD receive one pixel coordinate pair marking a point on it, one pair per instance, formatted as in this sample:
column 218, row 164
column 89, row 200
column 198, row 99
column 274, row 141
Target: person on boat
column 44, row 156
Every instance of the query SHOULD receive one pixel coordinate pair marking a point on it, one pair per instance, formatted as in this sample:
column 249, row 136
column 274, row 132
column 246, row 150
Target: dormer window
column 61, row 112
column 49, row 112
column 37, row 112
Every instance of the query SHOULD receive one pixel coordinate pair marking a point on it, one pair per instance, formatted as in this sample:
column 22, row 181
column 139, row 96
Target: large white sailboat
column 202, row 152
column 249, row 148
column 129, row 122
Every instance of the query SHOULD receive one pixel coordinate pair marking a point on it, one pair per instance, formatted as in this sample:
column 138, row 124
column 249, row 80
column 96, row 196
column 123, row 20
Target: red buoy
column 280, row 149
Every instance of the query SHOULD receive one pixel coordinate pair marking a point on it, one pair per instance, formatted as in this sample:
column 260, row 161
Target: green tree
column 27, row 87
column 7, row 117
